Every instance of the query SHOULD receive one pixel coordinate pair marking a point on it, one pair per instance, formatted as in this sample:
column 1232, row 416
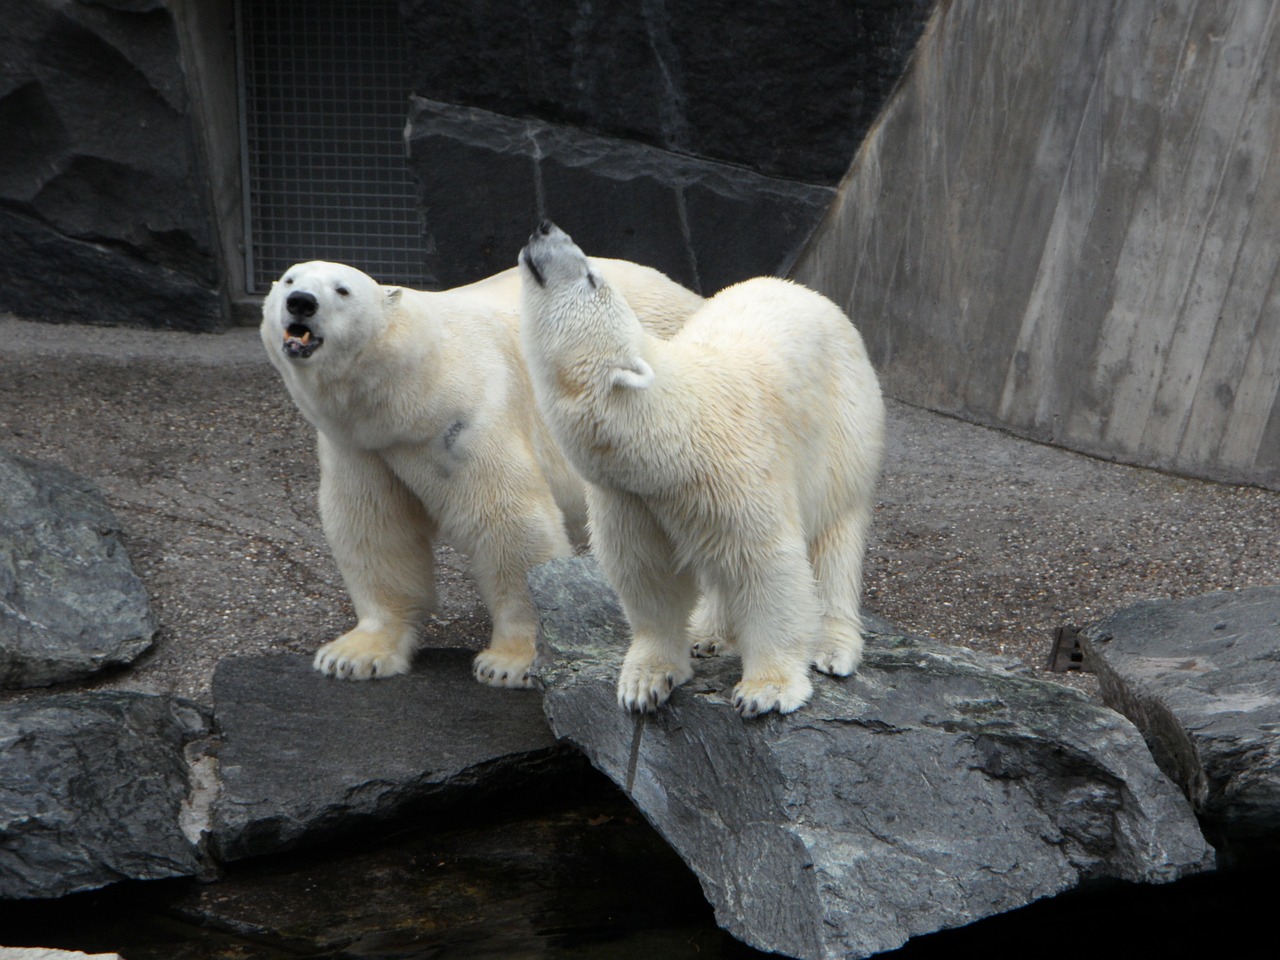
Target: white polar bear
column 736, row 461
column 426, row 426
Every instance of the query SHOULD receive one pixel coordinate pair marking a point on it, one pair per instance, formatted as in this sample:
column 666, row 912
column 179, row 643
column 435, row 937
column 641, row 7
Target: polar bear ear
column 393, row 296
column 636, row 375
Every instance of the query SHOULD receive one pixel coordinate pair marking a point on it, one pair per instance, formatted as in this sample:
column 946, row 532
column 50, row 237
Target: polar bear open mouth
column 300, row 342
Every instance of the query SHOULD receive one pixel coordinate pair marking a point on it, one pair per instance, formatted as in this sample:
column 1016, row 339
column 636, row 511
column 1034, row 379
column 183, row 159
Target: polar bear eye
column 288, row 281
column 343, row 292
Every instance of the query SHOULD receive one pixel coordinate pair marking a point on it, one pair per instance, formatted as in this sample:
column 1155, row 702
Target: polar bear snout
column 301, row 304
column 552, row 256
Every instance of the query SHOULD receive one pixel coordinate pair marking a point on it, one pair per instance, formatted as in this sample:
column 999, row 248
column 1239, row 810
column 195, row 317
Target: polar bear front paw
column 646, row 684
column 361, row 655
column 754, row 697
column 499, row 669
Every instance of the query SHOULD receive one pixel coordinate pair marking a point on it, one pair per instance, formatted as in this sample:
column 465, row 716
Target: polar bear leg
column 508, row 660
column 837, row 566
column 639, row 560
column 380, row 537
column 503, row 549
column 778, row 617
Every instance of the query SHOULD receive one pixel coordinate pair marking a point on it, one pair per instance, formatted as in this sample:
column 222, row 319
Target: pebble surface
column 980, row 539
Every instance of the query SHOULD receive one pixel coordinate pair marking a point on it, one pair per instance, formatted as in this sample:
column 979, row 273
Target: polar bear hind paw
column 497, row 669
column 839, row 652
column 360, row 655
column 752, row 698
column 711, row 647
column 645, row 685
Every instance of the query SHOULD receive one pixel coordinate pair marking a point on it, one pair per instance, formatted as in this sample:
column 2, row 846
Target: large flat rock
column 1201, row 679
column 934, row 788
column 304, row 757
column 93, row 790
column 70, row 602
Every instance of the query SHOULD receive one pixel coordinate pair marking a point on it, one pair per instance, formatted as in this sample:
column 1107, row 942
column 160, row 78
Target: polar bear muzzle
column 300, row 341
column 550, row 255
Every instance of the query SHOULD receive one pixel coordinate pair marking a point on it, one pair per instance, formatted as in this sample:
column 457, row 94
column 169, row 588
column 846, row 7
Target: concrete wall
column 1064, row 223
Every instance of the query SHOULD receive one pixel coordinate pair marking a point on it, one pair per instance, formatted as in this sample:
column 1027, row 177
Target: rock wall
column 786, row 88
column 103, row 213
column 120, row 193
column 702, row 138
column 1061, row 225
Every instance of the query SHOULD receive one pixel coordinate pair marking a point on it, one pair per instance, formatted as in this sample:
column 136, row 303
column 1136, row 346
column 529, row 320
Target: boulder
column 93, row 790
column 303, row 757
column 70, row 602
column 1200, row 678
column 616, row 197
column 932, row 789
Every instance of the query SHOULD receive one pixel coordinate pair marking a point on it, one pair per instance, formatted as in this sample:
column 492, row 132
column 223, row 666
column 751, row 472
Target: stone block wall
column 1061, row 225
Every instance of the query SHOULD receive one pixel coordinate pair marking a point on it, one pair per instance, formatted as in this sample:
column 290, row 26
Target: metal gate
column 324, row 93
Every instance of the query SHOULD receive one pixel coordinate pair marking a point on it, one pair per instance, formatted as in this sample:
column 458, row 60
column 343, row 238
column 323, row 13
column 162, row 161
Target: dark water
column 582, row 878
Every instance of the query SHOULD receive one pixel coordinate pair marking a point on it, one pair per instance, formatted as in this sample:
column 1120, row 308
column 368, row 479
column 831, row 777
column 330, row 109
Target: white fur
column 731, row 470
column 426, row 427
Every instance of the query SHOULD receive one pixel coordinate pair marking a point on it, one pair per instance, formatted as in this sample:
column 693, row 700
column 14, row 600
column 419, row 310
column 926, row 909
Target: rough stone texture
column 40, row 953
column 933, row 789
column 103, row 215
column 1201, row 678
column 785, row 88
column 70, row 602
column 304, row 756
column 92, row 790
column 1059, row 224
column 618, row 199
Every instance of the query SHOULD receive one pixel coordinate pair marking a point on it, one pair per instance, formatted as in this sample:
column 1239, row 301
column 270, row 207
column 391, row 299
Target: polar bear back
column 788, row 372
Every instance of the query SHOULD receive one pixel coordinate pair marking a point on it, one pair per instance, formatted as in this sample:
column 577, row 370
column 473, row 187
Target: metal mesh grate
column 325, row 98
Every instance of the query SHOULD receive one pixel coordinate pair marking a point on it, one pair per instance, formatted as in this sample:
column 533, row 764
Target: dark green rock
column 1201, row 678
column 93, row 789
column 70, row 602
column 932, row 789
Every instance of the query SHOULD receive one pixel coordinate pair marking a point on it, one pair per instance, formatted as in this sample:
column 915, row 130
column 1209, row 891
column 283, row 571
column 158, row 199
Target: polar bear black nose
column 301, row 304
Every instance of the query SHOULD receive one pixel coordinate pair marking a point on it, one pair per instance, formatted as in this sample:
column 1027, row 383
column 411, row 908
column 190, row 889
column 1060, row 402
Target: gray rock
column 92, row 791
column 100, row 177
column 617, row 198
column 70, row 602
column 934, row 788
column 1201, row 678
column 304, row 756
column 784, row 89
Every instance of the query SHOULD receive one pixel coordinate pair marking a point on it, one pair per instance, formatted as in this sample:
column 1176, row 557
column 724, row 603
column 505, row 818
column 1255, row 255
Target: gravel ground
column 981, row 539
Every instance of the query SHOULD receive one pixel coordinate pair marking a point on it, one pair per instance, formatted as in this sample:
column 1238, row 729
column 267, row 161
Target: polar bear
column 731, row 470
column 426, row 427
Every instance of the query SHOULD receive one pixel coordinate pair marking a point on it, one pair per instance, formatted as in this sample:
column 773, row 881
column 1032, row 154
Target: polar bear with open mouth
column 426, row 428
column 731, row 470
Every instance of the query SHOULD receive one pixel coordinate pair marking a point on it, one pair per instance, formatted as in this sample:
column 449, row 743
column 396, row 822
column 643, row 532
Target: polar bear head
column 323, row 307
column 572, row 317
